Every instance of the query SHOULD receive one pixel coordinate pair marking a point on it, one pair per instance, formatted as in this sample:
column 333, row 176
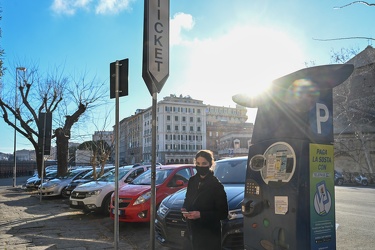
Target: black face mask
column 202, row 170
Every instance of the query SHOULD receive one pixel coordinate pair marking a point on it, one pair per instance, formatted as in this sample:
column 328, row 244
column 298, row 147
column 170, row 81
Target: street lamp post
column 15, row 124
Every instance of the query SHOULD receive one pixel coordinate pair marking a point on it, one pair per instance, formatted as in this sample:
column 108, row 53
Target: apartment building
column 184, row 126
column 181, row 130
column 131, row 138
column 224, row 120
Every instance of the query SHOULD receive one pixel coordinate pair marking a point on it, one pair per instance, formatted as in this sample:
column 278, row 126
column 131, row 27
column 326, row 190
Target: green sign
column 322, row 197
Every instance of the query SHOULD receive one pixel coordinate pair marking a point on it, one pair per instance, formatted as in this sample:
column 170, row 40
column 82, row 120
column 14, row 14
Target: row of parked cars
column 135, row 192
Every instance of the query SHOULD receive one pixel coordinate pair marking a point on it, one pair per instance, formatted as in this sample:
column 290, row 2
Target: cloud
column 70, row 7
column 179, row 22
column 112, row 6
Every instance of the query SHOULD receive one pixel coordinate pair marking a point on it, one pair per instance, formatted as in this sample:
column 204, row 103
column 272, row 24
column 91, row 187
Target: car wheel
column 106, row 205
column 340, row 182
column 63, row 193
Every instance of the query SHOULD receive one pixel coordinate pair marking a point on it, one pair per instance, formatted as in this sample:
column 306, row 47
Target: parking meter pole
column 153, row 172
column 117, row 96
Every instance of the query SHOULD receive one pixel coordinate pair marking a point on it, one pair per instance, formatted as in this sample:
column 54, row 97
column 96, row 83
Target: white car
column 96, row 195
column 56, row 186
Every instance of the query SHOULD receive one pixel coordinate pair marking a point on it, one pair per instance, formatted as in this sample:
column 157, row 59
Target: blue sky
column 217, row 48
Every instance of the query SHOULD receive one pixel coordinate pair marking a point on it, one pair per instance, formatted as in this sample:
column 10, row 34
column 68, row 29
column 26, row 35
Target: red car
column 134, row 198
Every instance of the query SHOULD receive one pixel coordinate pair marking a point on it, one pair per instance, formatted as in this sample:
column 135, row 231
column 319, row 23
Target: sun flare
column 244, row 60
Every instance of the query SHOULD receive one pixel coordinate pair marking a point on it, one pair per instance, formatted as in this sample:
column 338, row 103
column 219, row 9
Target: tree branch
column 355, row 2
column 344, row 38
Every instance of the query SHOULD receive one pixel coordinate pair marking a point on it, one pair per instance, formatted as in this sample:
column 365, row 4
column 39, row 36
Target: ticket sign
column 155, row 69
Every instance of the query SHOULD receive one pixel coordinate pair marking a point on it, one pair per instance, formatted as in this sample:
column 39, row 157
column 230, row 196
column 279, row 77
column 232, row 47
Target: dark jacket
column 207, row 196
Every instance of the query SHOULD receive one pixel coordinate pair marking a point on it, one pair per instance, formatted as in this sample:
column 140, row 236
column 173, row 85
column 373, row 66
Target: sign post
column 44, row 140
column 118, row 87
column 155, row 72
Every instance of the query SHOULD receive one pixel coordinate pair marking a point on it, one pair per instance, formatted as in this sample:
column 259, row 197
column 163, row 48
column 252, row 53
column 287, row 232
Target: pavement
column 28, row 222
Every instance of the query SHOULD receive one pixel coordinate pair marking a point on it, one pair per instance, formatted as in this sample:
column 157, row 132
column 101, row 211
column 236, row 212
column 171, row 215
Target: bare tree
column 354, row 113
column 65, row 97
column 100, row 152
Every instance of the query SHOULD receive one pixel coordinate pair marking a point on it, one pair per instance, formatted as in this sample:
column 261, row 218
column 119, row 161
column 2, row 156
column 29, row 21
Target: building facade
column 224, row 120
column 181, row 130
column 354, row 120
column 184, row 125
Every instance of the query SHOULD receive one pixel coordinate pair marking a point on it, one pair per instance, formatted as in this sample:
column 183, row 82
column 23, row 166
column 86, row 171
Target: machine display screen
column 280, row 163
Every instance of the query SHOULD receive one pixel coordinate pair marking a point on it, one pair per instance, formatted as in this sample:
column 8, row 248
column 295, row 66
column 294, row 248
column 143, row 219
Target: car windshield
column 110, row 176
column 145, row 178
column 231, row 171
column 69, row 175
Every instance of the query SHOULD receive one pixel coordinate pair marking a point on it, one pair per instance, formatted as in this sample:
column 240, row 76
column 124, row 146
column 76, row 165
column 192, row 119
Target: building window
column 168, row 117
column 176, row 118
column 191, row 128
column 176, row 128
column 168, row 127
column 191, row 119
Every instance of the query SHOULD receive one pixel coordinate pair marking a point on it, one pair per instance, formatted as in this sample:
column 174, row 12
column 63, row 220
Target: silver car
column 56, row 186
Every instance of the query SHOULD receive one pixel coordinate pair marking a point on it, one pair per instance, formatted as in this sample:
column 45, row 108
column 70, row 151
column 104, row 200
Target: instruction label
column 322, row 191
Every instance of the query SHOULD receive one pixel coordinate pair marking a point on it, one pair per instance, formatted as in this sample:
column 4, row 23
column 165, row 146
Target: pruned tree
column 100, row 152
column 67, row 98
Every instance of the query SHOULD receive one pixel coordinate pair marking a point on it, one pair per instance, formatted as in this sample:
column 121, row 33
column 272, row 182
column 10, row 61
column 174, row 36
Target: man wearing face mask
column 204, row 206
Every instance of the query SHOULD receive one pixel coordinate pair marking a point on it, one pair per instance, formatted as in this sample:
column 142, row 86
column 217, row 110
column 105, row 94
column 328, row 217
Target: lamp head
column 21, row 68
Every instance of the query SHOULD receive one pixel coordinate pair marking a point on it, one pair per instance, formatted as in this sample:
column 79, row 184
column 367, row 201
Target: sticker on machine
column 281, row 205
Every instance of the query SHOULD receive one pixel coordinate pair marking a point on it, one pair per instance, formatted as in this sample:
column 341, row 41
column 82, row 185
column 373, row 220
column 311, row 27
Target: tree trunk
column 62, row 148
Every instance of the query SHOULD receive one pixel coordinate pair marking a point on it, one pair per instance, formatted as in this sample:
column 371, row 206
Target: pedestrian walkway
column 26, row 222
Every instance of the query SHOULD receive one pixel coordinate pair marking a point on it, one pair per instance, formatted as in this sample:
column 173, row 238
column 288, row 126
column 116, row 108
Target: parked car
column 55, row 187
column 134, row 198
column 34, row 182
column 170, row 229
column 96, row 195
column 339, row 178
column 85, row 179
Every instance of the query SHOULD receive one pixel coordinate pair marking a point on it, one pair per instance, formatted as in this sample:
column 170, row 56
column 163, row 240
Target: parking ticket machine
column 289, row 198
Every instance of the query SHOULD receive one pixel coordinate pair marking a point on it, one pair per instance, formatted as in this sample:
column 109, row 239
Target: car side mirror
column 179, row 183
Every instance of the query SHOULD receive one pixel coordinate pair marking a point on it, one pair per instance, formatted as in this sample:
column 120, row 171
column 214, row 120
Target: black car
column 339, row 178
column 169, row 226
column 85, row 179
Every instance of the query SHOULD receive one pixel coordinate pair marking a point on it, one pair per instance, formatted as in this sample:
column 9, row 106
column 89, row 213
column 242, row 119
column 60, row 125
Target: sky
column 217, row 48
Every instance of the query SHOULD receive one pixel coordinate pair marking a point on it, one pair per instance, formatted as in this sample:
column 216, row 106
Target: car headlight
column 143, row 198
column 162, row 210
column 50, row 185
column 95, row 192
column 235, row 214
